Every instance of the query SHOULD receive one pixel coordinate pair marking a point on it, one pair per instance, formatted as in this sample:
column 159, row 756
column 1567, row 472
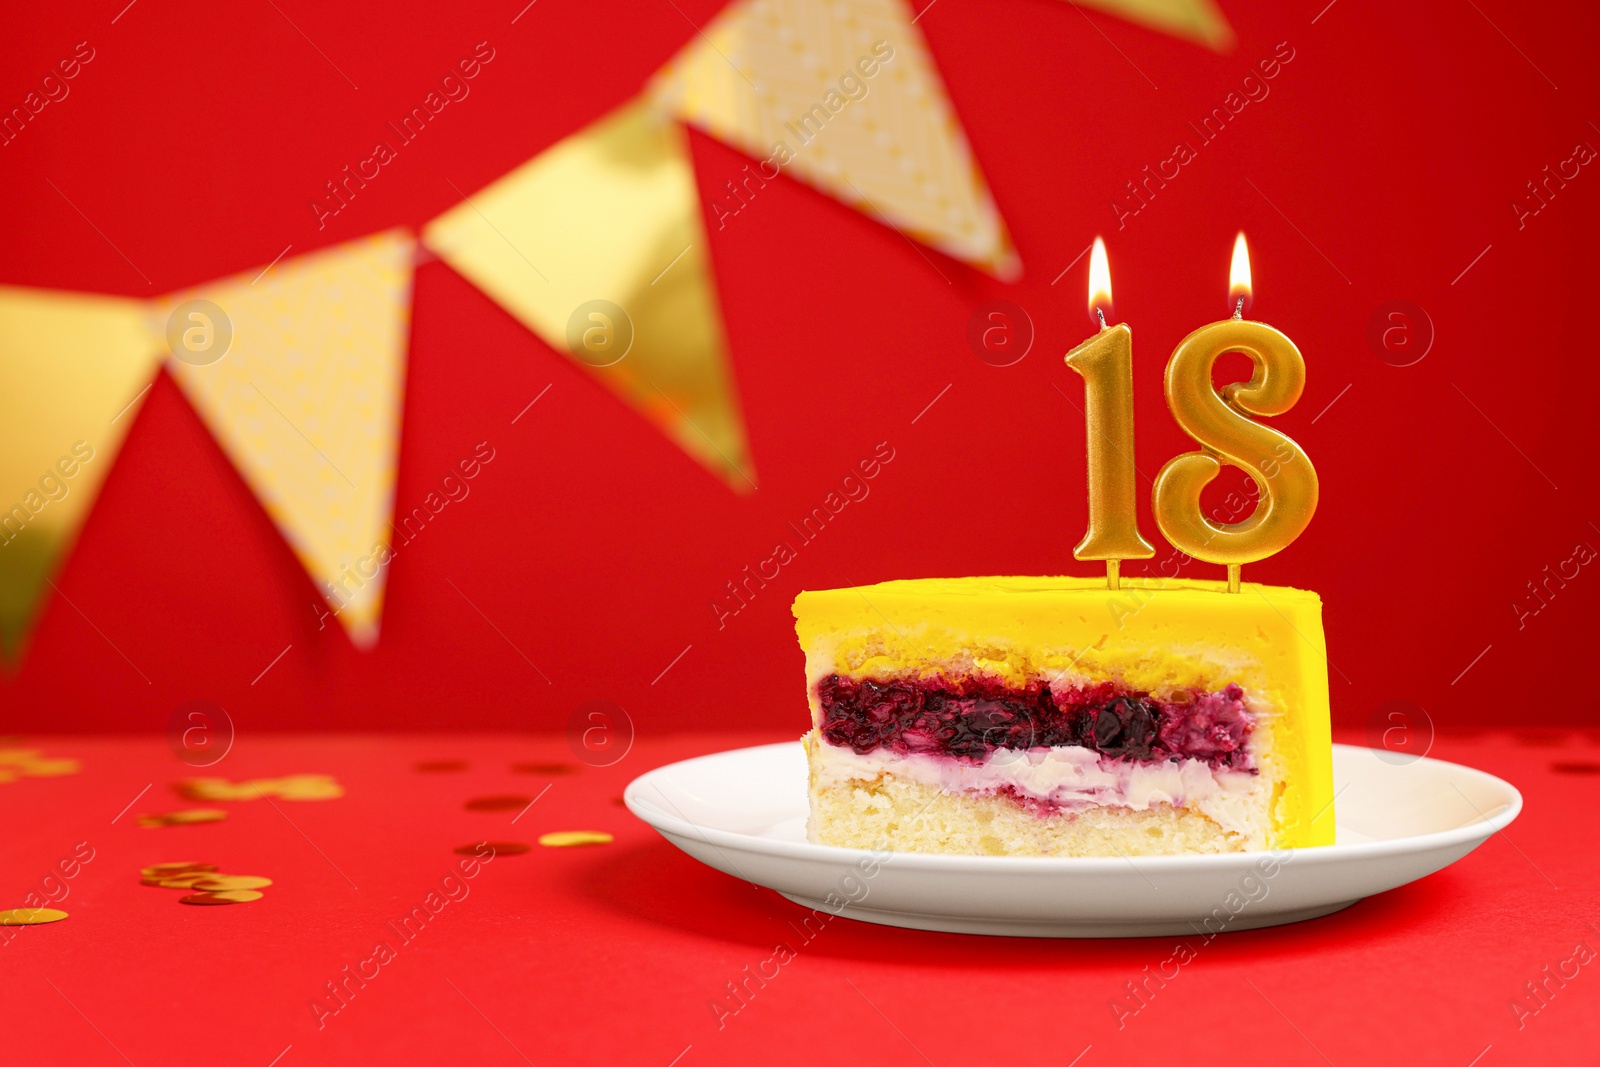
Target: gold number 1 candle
column 1106, row 363
column 1223, row 426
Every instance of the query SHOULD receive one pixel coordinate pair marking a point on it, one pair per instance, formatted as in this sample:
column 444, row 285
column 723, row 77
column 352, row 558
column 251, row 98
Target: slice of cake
column 1056, row 717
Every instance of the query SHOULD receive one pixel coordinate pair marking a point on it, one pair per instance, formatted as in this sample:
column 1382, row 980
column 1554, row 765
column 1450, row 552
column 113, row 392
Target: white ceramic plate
column 744, row 812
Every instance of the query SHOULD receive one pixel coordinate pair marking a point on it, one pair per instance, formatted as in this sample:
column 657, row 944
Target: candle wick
column 1102, row 315
column 1238, row 309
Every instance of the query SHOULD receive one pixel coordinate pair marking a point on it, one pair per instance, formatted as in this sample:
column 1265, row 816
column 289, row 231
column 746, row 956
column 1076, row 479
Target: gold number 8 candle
column 1223, row 426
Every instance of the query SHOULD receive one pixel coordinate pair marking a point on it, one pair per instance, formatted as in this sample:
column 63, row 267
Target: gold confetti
column 175, row 881
column 181, row 881
column 220, row 882
column 182, row 818
column 204, row 883
column 30, row 916
column 290, row 787
column 499, row 848
column 225, row 896
column 306, row 787
column 213, row 789
column 29, row 763
column 196, row 815
column 157, row 869
column 569, row 838
column 50, row 768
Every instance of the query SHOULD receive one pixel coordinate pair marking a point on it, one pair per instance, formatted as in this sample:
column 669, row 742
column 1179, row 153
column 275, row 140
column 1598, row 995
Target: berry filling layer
column 972, row 718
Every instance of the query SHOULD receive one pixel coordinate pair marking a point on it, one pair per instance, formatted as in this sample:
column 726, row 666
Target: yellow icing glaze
column 1155, row 635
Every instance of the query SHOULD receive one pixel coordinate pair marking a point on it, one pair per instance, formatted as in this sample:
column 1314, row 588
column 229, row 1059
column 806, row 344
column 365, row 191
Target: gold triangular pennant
column 298, row 372
column 844, row 96
column 1198, row 20
column 598, row 246
column 73, row 370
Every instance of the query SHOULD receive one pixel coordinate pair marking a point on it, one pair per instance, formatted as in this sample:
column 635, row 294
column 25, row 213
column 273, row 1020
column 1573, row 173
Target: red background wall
column 1391, row 149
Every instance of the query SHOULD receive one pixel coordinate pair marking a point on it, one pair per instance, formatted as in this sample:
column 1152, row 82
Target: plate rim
column 667, row 823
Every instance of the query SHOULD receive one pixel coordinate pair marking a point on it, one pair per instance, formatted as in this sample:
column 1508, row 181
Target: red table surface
column 616, row 954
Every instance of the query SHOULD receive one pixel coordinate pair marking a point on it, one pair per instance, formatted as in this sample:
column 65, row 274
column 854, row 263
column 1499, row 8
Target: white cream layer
column 1068, row 776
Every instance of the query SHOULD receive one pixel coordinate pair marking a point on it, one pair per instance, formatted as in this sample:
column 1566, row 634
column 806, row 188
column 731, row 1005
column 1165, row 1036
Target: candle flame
column 1239, row 273
column 1099, row 279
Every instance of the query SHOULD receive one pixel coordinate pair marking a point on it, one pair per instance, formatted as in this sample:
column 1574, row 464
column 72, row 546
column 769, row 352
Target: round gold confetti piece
column 498, row 803
column 304, row 787
column 222, row 896
column 310, row 793
column 195, row 815
column 568, row 838
column 440, row 766
column 220, row 882
column 158, row 869
column 182, row 880
column 499, row 848
column 49, row 768
column 30, row 916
